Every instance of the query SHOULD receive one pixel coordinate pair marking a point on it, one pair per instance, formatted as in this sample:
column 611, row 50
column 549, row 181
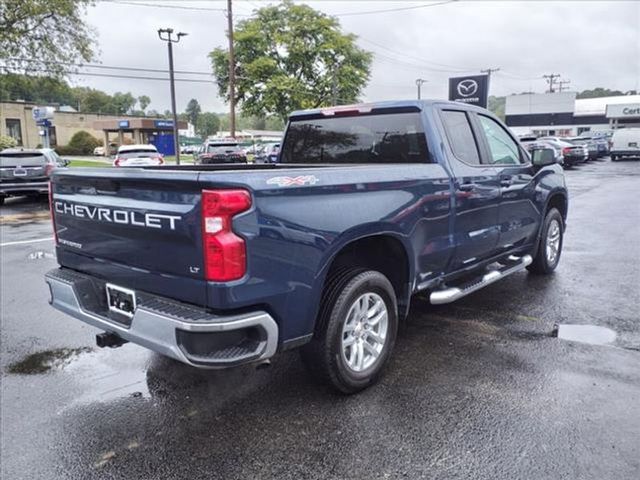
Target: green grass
column 84, row 163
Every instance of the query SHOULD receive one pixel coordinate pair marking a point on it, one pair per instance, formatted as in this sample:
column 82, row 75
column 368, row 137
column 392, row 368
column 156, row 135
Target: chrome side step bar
column 452, row 294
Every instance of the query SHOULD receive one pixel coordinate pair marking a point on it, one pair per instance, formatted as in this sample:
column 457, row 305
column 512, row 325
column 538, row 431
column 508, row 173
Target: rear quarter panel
column 293, row 232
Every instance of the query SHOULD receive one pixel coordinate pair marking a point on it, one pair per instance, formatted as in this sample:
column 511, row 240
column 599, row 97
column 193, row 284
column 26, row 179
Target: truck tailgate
column 141, row 228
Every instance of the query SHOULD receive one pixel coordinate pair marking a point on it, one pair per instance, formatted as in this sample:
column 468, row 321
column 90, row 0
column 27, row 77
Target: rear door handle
column 506, row 181
column 467, row 187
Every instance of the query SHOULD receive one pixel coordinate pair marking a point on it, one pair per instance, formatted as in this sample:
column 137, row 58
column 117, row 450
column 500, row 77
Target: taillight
column 225, row 254
column 47, row 169
column 566, row 151
column 117, row 161
column 53, row 217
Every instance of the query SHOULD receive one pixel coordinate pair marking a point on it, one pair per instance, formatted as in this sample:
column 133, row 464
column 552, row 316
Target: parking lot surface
column 482, row 388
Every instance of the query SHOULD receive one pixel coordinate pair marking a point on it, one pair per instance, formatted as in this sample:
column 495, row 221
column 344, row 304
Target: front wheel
column 356, row 330
column 550, row 247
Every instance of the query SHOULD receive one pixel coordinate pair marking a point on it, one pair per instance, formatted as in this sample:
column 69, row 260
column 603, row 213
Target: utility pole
column 561, row 85
column 551, row 80
column 166, row 35
column 489, row 71
column 232, row 74
column 419, row 82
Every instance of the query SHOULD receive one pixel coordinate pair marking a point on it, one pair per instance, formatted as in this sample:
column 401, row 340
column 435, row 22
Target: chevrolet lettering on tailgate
column 123, row 217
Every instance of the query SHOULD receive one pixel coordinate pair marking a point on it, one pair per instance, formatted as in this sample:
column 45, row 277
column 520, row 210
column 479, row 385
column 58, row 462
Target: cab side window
column 502, row 148
column 460, row 136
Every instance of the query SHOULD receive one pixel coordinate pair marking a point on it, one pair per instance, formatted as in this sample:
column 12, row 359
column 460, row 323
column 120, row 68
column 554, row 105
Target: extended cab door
column 518, row 217
column 476, row 190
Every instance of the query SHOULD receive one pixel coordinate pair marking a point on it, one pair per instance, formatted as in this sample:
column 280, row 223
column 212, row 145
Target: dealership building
column 17, row 121
column 562, row 114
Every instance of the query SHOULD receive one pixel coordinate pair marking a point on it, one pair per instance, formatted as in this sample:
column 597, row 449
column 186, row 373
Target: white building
column 563, row 115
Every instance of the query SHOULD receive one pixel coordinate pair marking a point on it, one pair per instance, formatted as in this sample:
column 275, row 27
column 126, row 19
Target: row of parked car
column 230, row 151
column 571, row 151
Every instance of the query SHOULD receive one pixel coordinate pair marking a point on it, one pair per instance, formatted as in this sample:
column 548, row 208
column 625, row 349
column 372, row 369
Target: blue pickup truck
column 221, row 265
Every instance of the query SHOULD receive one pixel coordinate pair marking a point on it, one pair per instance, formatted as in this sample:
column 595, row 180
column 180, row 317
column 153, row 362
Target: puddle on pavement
column 42, row 362
column 591, row 334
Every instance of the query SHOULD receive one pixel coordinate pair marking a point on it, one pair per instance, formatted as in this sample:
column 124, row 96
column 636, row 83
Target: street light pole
column 166, row 35
column 419, row 82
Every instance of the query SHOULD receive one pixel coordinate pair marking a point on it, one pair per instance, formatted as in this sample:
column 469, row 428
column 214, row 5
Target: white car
column 98, row 151
column 625, row 143
column 137, row 156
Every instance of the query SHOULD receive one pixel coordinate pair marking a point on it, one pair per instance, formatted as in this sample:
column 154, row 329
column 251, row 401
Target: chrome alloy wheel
column 364, row 332
column 553, row 241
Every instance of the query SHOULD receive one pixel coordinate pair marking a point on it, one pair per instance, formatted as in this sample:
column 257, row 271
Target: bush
column 83, row 143
column 63, row 150
column 7, row 142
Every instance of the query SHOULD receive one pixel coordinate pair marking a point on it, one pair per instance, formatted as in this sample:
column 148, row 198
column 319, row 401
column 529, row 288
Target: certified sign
column 473, row 90
column 623, row 110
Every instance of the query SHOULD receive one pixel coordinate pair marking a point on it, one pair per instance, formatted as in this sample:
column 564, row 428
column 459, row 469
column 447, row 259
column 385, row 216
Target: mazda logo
column 468, row 87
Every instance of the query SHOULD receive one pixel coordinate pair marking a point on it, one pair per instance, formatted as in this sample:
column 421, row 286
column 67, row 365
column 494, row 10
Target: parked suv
column 222, row 151
column 25, row 171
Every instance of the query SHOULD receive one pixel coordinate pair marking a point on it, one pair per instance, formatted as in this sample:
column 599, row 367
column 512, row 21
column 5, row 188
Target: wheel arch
column 386, row 252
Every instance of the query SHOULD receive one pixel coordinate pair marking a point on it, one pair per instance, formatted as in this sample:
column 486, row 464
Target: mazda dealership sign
column 473, row 90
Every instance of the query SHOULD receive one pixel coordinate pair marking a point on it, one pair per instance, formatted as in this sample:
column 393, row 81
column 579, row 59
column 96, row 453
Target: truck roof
column 389, row 104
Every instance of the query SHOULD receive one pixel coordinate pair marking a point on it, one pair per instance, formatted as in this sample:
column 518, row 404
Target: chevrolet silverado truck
column 221, row 265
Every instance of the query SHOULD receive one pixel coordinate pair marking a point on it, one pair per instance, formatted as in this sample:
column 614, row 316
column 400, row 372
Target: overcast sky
column 590, row 43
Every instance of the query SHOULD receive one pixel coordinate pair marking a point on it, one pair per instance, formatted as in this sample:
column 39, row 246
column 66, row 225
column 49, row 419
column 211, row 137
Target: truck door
column 518, row 216
column 476, row 190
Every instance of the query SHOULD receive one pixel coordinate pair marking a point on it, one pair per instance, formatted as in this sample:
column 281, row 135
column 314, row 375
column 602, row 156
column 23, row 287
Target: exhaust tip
column 264, row 364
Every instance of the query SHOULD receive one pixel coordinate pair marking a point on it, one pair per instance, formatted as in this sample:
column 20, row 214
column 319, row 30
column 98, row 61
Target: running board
column 452, row 294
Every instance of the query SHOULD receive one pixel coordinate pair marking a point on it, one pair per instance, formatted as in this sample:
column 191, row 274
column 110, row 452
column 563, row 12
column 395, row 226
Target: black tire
column 323, row 356
column 542, row 264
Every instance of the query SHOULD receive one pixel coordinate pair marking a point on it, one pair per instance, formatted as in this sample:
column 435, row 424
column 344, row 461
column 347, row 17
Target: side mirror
column 541, row 157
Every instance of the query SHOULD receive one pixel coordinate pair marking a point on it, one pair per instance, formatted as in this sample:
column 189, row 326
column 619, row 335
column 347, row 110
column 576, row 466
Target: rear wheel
column 614, row 158
column 356, row 330
column 550, row 248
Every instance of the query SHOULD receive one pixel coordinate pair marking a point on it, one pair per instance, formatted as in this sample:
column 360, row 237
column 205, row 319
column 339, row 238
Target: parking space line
column 23, row 242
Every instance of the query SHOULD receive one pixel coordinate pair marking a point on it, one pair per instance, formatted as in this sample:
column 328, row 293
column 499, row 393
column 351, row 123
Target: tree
column 602, row 92
column 193, row 111
column 290, row 56
column 208, row 124
column 123, row 102
column 144, row 102
column 42, row 35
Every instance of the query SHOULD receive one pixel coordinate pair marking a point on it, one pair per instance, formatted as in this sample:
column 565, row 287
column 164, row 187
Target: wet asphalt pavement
column 477, row 389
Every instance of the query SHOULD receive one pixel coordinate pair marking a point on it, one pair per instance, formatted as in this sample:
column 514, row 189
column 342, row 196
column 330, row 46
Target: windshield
column 385, row 138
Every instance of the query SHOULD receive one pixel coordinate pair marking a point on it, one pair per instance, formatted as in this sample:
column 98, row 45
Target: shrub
column 7, row 142
column 82, row 142
column 63, row 150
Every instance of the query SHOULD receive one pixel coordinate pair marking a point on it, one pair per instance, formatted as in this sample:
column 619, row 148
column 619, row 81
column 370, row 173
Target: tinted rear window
column 138, row 152
column 222, row 147
column 461, row 138
column 386, row 138
column 21, row 159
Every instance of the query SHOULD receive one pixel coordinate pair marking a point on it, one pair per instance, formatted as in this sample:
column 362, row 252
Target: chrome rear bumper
column 180, row 331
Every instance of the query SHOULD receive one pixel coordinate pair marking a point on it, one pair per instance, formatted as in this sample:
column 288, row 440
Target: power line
column 390, row 10
column 108, row 67
column 209, row 9
column 133, row 77
column 159, row 5
column 416, row 58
